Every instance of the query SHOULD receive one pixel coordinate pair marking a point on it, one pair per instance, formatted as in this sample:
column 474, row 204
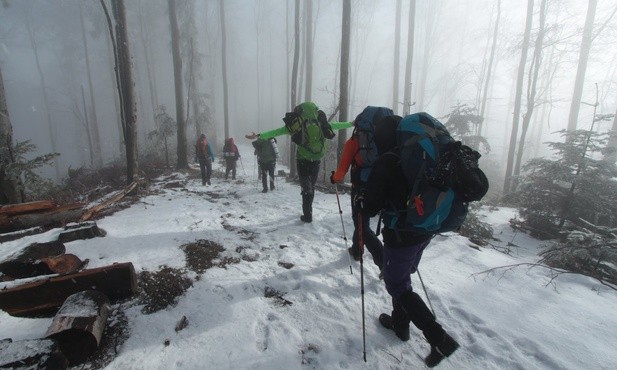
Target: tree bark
column 78, row 326
column 397, row 57
column 534, row 70
column 96, row 137
column 224, row 66
column 308, row 44
column 180, row 119
column 44, row 297
column 489, row 69
column 294, row 83
column 151, row 78
column 344, row 81
column 9, row 184
column 583, row 57
column 517, row 99
column 87, row 124
column 52, row 133
column 410, row 39
column 611, row 154
column 128, row 90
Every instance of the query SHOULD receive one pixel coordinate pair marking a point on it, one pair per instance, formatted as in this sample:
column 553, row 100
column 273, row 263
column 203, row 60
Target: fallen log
column 42, row 298
column 81, row 230
column 93, row 210
column 60, row 215
column 20, row 233
column 78, row 326
column 27, row 262
column 31, row 354
column 30, row 207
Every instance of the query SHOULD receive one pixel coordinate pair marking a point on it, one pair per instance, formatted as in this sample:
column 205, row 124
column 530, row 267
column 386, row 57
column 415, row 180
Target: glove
column 332, row 178
column 358, row 201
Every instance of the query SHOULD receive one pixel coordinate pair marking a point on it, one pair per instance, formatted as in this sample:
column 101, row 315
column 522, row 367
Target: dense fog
column 42, row 47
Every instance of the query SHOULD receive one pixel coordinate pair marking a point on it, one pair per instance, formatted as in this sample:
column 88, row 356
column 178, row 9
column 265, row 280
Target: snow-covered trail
column 502, row 321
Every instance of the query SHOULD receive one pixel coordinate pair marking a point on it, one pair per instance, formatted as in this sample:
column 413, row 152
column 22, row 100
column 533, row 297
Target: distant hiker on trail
column 387, row 190
column 205, row 156
column 231, row 155
column 266, row 152
column 360, row 152
column 309, row 128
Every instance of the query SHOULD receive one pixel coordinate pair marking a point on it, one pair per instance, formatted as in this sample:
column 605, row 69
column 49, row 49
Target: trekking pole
column 340, row 212
column 361, row 247
column 426, row 294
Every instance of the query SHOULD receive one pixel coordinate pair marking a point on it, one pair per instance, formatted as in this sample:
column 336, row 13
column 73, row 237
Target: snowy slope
column 503, row 320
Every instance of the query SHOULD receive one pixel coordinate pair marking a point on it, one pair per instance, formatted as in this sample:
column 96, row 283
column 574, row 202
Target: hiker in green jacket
column 309, row 128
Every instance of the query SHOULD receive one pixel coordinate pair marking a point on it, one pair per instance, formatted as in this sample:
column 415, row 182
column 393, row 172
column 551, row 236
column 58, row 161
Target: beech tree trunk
column 489, row 68
column 96, row 137
column 344, row 81
column 10, row 192
column 308, row 44
column 534, row 70
column 517, row 99
column 129, row 108
column 410, row 39
column 224, row 66
column 294, row 83
column 180, row 119
column 397, row 57
column 583, row 57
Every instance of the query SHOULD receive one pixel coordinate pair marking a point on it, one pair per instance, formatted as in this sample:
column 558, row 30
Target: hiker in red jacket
column 231, row 155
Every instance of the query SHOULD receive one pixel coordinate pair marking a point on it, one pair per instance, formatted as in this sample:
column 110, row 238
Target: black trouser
column 371, row 241
column 264, row 170
column 205, row 165
column 230, row 165
column 307, row 173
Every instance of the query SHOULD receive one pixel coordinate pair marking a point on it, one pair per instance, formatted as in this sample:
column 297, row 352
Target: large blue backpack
column 442, row 174
column 365, row 131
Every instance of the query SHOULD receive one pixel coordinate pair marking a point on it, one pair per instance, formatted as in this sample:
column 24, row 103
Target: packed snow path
column 510, row 320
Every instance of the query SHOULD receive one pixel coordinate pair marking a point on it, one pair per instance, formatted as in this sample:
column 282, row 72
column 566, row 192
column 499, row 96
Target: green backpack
column 309, row 129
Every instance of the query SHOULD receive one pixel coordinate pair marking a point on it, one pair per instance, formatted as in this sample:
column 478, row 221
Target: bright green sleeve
column 340, row 125
column 274, row 133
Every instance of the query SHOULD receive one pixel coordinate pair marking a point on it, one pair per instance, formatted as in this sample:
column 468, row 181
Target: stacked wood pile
column 42, row 280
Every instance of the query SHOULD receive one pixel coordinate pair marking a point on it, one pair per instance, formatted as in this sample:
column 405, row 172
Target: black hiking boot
column 447, row 347
column 271, row 185
column 304, row 218
column 265, row 190
column 386, row 321
column 356, row 257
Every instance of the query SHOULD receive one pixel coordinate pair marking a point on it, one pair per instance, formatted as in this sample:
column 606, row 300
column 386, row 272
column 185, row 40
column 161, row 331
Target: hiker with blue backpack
column 421, row 185
column 310, row 130
column 360, row 152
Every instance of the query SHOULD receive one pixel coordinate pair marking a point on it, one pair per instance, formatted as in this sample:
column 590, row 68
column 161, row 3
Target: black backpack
column 442, row 174
column 365, row 131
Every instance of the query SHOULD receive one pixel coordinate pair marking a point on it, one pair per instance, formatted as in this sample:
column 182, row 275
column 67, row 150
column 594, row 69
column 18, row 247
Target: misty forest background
column 105, row 89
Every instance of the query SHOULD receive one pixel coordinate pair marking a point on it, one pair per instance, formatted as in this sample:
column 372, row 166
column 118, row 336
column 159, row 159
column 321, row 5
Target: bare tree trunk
column 308, row 44
column 294, row 82
column 9, row 184
column 87, row 124
column 344, row 82
column 397, row 57
column 96, row 137
column 129, row 108
column 182, row 161
column 429, row 36
column 114, row 76
column 582, row 65
column 534, row 70
column 224, row 65
column 517, row 98
column 149, row 68
column 489, row 69
column 611, row 154
column 410, row 38
column 52, row 133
